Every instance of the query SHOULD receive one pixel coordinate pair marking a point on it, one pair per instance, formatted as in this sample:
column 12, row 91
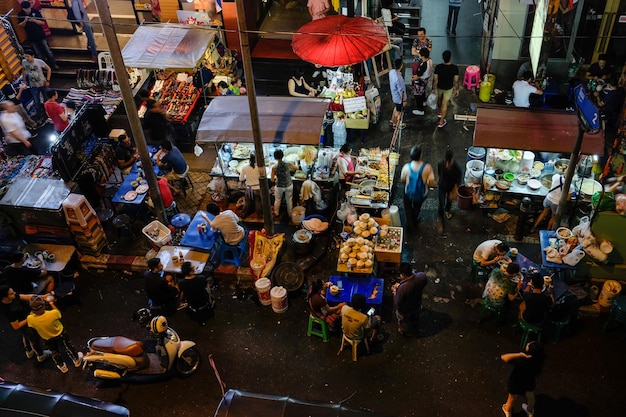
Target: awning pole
column 268, row 221
column 569, row 174
column 131, row 111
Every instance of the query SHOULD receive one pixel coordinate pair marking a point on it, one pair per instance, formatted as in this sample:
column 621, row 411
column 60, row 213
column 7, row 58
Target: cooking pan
column 365, row 187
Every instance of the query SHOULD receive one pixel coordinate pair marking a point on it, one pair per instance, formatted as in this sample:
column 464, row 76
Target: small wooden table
column 197, row 259
column 63, row 254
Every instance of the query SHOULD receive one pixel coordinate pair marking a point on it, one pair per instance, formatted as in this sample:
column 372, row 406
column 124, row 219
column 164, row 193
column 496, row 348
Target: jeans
column 36, row 93
column 288, row 192
column 445, row 201
column 453, row 14
column 43, row 51
column 91, row 42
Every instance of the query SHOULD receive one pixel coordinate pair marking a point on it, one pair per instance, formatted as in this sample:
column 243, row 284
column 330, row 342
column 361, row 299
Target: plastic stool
column 355, row 345
column 559, row 325
column 494, row 308
column 233, row 253
column 529, row 329
column 472, row 77
column 184, row 183
column 121, row 223
column 479, row 273
column 171, row 211
column 323, row 328
column 618, row 312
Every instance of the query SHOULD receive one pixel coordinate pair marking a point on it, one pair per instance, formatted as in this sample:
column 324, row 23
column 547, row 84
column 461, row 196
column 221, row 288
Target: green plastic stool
column 321, row 332
column 527, row 330
column 618, row 312
column 559, row 326
column 494, row 308
column 479, row 273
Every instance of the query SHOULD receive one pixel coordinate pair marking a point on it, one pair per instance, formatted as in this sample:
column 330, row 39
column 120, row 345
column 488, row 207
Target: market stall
column 175, row 52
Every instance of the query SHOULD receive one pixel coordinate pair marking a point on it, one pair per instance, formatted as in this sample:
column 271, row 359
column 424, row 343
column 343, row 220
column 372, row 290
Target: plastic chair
column 618, row 312
column 529, row 329
column 105, row 62
column 487, row 305
column 354, row 344
column 479, row 272
column 323, row 328
column 232, row 253
column 472, row 77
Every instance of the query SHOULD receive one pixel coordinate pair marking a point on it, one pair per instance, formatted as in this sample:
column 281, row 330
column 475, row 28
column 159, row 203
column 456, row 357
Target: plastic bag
column 339, row 133
column 197, row 150
column 607, row 203
column 574, row 256
column 432, row 100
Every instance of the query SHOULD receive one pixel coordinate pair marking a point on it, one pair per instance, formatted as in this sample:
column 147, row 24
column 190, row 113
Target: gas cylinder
column 484, row 94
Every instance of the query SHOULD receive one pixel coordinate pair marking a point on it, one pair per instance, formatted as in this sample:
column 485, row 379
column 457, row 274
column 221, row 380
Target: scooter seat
column 118, row 344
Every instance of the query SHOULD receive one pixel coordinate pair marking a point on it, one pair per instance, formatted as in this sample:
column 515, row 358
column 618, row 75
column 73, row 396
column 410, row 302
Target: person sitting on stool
column 490, row 252
column 227, row 223
column 170, row 158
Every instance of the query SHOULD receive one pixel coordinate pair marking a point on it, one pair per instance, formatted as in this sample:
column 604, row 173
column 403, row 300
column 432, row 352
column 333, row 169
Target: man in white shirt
column 16, row 135
column 522, row 89
column 227, row 224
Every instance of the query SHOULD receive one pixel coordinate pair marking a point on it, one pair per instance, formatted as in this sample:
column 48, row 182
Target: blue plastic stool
column 233, row 253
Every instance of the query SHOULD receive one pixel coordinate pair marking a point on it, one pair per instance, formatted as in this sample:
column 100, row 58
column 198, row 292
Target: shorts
column 549, row 204
column 398, row 107
column 446, row 94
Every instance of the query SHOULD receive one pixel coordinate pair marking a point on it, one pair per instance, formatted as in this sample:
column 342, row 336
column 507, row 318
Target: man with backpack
column 417, row 176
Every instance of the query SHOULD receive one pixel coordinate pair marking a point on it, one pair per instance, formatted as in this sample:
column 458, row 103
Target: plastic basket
column 158, row 233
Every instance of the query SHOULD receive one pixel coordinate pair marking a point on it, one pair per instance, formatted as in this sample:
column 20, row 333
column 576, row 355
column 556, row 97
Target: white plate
column 233, row 163
column 534, row 184
column 130, row 196
column 32, row 263
column 142, row 189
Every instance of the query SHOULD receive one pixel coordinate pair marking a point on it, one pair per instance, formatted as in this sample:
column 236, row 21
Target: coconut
column 360, row 264
column 364, row 217
column 365, row 234
column 353, row 254
column 362, row 255
column 369, row 263
column 373, row 230
column 360, row 241
column 371, row 222
column 383, row 233
column 358, row 231
column 344, row 257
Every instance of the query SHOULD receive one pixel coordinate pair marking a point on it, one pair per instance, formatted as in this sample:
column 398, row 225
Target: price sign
column 354, row 104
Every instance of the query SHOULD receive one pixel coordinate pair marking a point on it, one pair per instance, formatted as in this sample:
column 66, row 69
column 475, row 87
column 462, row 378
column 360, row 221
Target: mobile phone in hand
column 371, row 312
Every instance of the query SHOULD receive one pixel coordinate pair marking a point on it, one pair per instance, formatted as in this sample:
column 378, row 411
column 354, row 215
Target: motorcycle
column 114, row 358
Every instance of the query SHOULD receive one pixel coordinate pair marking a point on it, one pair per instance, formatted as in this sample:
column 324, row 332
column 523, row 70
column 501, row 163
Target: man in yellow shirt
column 48, row 325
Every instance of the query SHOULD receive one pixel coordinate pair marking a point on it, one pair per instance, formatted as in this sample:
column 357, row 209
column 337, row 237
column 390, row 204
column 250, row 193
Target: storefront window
column 562, row 29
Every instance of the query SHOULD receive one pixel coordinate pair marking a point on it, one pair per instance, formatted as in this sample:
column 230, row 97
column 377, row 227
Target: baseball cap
column 36, row 302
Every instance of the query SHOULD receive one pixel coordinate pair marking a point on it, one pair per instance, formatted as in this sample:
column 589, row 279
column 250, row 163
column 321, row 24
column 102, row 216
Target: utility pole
column 129, row 102
column 268, row 221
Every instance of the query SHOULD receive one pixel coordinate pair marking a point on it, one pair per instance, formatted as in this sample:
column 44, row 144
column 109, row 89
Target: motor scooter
column 114, row 358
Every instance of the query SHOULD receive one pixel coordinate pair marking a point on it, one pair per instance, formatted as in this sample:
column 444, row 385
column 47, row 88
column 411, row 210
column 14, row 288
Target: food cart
column 176, row 51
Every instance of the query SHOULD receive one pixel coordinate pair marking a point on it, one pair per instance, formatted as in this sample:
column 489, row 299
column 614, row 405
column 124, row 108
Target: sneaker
column 453, row 34
column 79, row 360
column 506, row 413
column 442, row 123
column 529, row 413
column 63, row 368
column 418, row 112
column 439, row 114
column 448, row 215
column 30, row 353
column 46, row 354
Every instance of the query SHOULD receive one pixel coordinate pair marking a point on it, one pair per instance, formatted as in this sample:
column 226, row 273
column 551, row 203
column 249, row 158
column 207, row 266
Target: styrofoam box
column 162, row 238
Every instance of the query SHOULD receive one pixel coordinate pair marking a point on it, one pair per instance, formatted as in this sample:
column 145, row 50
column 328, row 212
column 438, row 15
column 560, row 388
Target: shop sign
column 587, row 111
column 354, row 104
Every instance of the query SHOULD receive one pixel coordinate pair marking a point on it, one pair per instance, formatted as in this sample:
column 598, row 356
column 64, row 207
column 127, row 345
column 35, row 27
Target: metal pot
column 365, row 187
column 560, row 165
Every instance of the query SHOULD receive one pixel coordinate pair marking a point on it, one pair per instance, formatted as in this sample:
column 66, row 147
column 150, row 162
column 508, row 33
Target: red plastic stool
column 472, row 77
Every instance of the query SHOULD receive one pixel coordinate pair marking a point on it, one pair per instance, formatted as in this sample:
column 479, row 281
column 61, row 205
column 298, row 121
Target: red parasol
column 339, row 40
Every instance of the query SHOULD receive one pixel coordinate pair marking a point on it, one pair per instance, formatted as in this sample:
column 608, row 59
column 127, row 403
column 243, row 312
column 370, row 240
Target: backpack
column 416, row 189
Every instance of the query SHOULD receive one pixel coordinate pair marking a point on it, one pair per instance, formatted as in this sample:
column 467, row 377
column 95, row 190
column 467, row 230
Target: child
column 235, row 85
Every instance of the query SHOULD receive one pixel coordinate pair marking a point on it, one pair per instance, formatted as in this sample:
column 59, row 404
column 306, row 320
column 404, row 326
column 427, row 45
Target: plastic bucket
column 465, row 197
column 492, row 79
column 476, row 152
column 474, row 171
column 610, row 291
column 528, row 159
column 297, row 214
column 279, row 299
column 263, row 287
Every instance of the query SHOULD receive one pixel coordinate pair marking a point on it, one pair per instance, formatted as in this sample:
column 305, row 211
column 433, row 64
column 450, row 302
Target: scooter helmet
column 158, row 325
column 142, row 316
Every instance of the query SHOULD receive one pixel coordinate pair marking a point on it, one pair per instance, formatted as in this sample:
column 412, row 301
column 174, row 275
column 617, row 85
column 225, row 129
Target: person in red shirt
column 55, row 111
column 166, row 193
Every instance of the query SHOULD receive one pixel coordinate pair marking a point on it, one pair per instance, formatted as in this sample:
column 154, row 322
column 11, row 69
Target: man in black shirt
column 450, row 177
column 536, row 303
column 407, row 297
column 125, row 153
column 16, row 310
column 32, row 21
column 26, row 280
column 161, row 288
column 156, row 122
column 446, row 84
